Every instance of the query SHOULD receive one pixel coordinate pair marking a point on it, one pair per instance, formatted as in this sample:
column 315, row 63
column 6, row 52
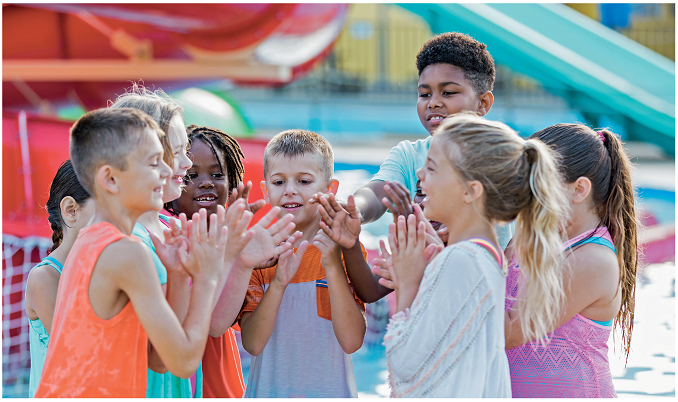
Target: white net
column 19, row 255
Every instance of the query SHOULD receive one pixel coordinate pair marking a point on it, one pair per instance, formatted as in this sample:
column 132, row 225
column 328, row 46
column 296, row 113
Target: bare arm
column 348, row 320
column 263, row 245
column 368, row 201
column 41, row 291
column 257, row 326
column 590, row 285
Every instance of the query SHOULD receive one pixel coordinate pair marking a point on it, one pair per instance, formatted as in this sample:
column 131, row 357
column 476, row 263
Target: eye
column 191, row 175
column 305, row 181
column 448, row 93
column 424, row 95
column 278, row 182
column 218, row 175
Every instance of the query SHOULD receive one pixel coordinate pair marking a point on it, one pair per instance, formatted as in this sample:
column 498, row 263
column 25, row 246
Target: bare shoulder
column 124, row 258
column 43, row 278
column 595, row 266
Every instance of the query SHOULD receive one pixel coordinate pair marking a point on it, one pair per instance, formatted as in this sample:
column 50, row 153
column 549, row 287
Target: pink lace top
column 574, row 364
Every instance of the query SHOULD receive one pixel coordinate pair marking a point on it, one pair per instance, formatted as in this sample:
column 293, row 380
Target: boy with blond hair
column 110, row 303
column 301, row 319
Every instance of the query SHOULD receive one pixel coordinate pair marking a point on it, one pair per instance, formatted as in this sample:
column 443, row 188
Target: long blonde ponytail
column 522, row 182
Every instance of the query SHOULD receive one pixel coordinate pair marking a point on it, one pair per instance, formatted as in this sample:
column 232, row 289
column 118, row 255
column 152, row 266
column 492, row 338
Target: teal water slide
column 597, row 70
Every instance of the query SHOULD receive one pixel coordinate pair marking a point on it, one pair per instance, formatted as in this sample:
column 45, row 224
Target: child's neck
column 151, row 221
column 464, row 229
column 110, row 211
column 64, row 248
column 583, row 220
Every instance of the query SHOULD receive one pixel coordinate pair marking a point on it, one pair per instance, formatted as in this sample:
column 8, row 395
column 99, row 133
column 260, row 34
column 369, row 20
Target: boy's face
column 443, row 90
column 140, row 186
column 291, row 182
column 207, row 184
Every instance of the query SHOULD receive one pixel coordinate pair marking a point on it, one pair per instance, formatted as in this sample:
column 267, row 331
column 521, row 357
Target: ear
column 333, row 186
column 106, row 178
column 580, row 189
column 69, row 209
column 474, row 191
column 264, row 191
column 486, row 101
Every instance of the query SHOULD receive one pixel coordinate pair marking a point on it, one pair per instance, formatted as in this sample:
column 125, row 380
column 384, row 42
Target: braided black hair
column 217, row 139
column 65, row 184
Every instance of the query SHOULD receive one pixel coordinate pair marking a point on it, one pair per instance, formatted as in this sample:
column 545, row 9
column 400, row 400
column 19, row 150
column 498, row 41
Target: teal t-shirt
column 38, row 338
column 165, row 385
column 401, row 165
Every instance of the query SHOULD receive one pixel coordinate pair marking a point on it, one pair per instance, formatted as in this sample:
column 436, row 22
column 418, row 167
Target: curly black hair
column 462, row 51
column 229, row 147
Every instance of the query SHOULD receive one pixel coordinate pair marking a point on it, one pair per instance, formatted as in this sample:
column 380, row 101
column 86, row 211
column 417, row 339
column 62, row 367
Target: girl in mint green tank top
column 70, row 209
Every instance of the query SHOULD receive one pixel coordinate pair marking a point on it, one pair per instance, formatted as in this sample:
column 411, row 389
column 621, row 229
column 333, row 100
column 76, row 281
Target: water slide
column 597, row 70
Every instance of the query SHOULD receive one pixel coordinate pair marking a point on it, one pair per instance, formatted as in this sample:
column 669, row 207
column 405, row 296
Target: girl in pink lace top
column 599, row 276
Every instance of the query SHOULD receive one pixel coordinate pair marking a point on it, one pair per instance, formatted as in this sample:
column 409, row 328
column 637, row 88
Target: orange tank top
column 87, row 355
column 222, row 373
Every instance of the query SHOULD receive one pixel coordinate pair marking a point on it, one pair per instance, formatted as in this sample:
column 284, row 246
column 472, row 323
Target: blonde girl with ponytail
column 601, row 259
column 447, row 337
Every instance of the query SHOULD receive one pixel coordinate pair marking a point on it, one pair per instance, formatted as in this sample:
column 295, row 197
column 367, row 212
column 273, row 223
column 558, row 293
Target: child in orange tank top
column 110, row 302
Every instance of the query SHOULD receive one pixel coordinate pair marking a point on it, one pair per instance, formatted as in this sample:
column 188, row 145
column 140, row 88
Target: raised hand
column 342, row 225
column 382, row 266
column 330, row 253
column 237, row 219
column 288, row 265
column 398, row 200
column 409, row 260
column 168, row 251
column 207, row 249
column 243, row 192
column 432, row 236
column 268, row 242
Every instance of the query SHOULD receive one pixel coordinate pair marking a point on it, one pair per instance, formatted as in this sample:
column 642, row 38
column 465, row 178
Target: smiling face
column 179, row 140
column 141, row 184
column 291, row 182
column 443, row 90
column 419, row 198
column 207, row 183
column 441, row 183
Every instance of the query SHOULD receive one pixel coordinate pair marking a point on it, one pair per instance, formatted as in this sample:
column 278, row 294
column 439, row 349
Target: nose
column 205, row 183
column 435, row 101
column 420, row 174
column 290, row 188
column 165, row 170
column 185, row 162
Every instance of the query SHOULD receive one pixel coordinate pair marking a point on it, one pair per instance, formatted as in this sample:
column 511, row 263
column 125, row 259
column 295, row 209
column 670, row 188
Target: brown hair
column 605, row 163
column 299, row 142
column 65, row 184
column 520, row 181
column 157, row 104
column 106, row 136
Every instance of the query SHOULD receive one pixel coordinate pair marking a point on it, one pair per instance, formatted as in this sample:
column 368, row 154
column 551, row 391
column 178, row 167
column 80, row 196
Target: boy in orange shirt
column 301, row 319
column 109, row 296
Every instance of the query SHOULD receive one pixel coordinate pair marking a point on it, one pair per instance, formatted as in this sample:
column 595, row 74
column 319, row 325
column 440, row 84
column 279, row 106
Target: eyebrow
column 442, row 84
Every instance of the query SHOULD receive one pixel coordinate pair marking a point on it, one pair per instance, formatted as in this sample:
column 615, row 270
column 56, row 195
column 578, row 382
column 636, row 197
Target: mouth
column 290, row 206
column 178, row 179
column 206, row 200
column 436, row 225
column 435, row 119
column 158, row 190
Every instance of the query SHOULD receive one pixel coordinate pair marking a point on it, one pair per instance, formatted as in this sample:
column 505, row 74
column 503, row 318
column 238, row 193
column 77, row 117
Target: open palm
column 342, row 225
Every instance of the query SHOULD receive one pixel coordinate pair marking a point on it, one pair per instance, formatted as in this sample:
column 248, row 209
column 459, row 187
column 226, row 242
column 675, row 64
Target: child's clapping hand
column 341, row 225
column 237, row 218
column 288, row 265
column 329, row 251
column 243, row 192
column 168, row 251
column 207, row 249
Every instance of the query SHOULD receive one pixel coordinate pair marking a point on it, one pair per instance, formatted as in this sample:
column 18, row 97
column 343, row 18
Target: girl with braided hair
column 215, row 178
column 70, row 209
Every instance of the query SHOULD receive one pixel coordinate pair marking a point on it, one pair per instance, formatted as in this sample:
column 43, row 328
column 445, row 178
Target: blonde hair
column 521, row 181
column 300, row 142
column 157, row 104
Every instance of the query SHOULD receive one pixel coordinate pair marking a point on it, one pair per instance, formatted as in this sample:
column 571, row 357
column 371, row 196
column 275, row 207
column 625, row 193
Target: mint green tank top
column 38, row 338
column 165, row 385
